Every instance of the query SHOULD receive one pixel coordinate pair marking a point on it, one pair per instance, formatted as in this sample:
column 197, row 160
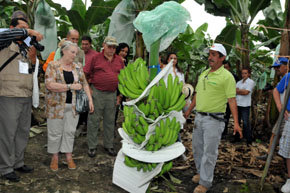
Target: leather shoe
column 111, row 151
column 25, row 169
column 12, row 177
column 92, row 152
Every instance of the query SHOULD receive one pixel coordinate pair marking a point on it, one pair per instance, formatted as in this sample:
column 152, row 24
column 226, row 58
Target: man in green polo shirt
column 216, row 86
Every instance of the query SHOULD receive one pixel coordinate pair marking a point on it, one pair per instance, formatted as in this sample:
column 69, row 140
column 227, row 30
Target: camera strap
column 8, row 61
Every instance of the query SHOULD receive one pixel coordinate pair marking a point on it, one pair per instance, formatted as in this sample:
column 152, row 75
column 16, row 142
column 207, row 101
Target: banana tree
column 27, row 6
column 190, row 47
column 241, row 15
column 83, row 20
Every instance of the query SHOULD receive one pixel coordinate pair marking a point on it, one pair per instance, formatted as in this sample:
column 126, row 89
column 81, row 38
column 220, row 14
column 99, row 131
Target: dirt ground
column 237, row 169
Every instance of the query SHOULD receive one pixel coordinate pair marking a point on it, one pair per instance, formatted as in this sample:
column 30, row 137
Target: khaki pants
column 15, row 122
column 61, row 132
column 105, row 106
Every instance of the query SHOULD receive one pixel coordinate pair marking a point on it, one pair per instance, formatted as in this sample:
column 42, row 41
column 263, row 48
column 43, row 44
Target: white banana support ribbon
column 35, row 91
column 129, row 178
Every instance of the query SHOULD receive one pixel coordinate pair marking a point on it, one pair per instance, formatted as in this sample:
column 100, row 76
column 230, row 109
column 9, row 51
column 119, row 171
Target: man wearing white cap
column 216, row 86
column 103, row 74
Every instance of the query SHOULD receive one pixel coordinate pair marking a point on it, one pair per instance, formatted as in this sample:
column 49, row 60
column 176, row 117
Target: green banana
column 152, row 106
column 169, row 84
column 140, row 130
column 149, row 167
column 179, row 105
column 125, row 129
column 128, row 93
column 159, row 107
column 141, row 107
column 129, row 81
column 155, row 113
column 141, row 82
column 162, row 127
column 136, row 139
column 151, row 139
column 156, row 146
column 167, row 99
column 157, row 132
column 149, row 147
column 129, row 162
column 145, row 167
column 166, row 135
column 171, row 133
column 140, row 137
column 174, row 97
column 122, row 90
column 145, row 128
column 147, row 109
column 151, row 92
column 143, row 121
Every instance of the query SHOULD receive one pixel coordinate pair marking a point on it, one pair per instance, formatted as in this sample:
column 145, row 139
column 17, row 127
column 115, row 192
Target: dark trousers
column 244, row 115
column 83, row 118
column 227, row 117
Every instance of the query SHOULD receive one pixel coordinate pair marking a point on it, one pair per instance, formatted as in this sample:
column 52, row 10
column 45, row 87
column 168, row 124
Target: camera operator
column 15, row 96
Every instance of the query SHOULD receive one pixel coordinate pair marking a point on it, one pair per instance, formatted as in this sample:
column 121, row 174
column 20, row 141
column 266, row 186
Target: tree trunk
column 245, row 54
column 285, row 40
column 140, row 47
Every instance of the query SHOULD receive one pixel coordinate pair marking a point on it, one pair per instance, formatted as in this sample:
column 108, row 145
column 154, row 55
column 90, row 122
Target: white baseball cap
column 219, row 48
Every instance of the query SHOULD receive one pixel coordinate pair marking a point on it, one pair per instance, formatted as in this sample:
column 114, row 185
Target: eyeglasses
column 111, row 47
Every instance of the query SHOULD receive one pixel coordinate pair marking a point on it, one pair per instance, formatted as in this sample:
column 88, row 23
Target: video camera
column 28, row 42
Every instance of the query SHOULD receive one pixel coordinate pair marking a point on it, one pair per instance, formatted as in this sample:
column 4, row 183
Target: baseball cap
column 279, row 61
column 111, row 41
column 219, row 48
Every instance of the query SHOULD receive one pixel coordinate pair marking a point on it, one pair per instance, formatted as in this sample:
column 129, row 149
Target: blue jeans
column 244, row 115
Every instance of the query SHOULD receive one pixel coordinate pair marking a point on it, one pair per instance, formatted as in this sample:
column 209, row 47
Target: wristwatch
column 68, row 86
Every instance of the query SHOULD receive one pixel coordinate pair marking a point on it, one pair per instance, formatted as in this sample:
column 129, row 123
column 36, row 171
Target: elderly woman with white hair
column 62, row 78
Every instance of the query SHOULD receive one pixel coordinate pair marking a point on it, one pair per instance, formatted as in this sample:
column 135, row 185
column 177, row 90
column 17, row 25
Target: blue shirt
column 282, row 85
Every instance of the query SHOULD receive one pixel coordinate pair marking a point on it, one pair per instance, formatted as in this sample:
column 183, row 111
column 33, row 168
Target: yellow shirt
column 213, row 89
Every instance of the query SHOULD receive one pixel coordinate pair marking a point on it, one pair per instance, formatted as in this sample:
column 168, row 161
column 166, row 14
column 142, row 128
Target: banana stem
column 153, row 58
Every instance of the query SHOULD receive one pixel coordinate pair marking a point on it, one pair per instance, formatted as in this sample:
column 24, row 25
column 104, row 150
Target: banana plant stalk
column 153, row 58
column 278, row 125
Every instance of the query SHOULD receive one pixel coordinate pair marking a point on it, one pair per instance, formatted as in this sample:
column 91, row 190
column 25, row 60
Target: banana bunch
column 166, row 134
column 133, row 79
column 130, row 162
column 135, row 127
column 170, row 97
column 162, row 99
column 146, row 167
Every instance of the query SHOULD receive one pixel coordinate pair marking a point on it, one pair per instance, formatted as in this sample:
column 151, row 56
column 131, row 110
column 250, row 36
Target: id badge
column 23, row 67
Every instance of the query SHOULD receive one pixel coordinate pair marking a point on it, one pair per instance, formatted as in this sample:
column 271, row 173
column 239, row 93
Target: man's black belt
column 213, row 115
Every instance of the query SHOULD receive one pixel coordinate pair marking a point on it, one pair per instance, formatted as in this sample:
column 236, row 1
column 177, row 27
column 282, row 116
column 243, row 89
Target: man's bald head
column 73, row 36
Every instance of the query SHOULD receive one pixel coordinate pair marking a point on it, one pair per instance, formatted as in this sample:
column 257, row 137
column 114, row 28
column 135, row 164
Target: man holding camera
column 16, row 61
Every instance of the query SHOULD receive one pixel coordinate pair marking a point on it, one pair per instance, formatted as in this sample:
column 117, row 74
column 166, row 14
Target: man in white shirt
column 244, row 93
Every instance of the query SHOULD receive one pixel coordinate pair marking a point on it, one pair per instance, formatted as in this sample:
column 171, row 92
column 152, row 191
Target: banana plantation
column 153, row 138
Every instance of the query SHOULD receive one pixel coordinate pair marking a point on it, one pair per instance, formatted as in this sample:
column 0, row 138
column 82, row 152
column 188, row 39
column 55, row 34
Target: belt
column 213, row 115
column 209, row 114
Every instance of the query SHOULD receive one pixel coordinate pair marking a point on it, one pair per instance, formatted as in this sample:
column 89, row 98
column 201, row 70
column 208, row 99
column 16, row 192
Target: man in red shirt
column 103, row 74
